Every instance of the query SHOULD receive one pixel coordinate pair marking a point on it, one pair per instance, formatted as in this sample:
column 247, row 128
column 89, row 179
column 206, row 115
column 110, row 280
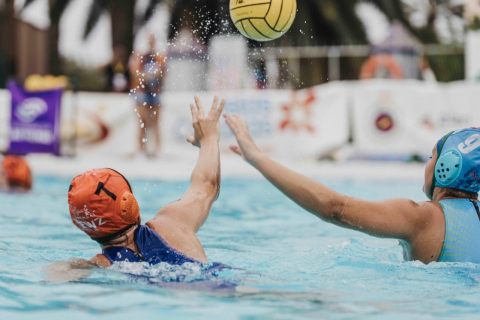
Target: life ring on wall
column 381, row 61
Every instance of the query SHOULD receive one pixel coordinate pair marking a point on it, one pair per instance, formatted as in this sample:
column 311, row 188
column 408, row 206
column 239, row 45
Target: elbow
column 336, row 210
column 214, row 187
column 210, row 181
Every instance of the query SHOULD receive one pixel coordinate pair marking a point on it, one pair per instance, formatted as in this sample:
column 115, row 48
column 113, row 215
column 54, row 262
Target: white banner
column 388, row 117
column 284, row 124
column 5, row 101
column 472, row 52
column 409, row 117
column 106, row 124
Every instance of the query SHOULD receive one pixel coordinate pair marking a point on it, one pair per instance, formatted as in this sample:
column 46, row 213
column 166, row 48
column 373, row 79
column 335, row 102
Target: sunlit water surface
column 299, row 265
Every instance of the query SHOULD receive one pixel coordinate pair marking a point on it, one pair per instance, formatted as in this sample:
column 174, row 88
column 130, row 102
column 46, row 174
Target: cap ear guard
column 439, row 152
column 448, row 167
column 129, row 208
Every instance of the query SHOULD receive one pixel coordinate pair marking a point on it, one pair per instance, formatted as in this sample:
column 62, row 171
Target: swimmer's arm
column 194, row 206
column 393, row 218
column 100, row 260
column 74, row 270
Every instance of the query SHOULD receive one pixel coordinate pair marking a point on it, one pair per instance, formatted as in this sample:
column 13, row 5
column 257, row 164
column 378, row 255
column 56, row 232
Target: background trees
column 318, row 22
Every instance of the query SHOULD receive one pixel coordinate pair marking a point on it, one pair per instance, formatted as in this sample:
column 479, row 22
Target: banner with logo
column 287, row 124
column 104, row 124
column 409, row 117
column 34, row 121
column 284, row 123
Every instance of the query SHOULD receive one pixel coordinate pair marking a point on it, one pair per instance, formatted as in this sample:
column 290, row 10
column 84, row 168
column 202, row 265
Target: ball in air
column 263, row 20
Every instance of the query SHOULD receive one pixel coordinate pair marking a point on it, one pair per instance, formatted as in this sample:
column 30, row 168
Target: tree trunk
column 122, row 16
column 7, row 48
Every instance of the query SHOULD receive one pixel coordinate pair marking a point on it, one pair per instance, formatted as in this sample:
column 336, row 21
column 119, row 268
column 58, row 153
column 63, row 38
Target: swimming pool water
column 300, row 266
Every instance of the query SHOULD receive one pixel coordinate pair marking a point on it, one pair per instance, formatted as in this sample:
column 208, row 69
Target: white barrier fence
column 383, row 117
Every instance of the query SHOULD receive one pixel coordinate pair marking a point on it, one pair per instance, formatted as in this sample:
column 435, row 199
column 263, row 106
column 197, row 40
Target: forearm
column 207, row 169
column 314, row 197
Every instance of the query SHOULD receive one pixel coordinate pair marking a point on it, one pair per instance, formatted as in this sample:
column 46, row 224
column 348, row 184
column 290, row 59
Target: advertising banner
column 389, row 118
column 409, row 117
column 284, row 123
column 99, row 124
column 34, row 121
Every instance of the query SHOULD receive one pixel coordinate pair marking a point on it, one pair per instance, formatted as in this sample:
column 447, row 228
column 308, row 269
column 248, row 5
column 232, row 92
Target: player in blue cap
column 445, row 229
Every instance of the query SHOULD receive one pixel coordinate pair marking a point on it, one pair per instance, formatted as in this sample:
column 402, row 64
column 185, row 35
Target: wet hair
column 456, row 193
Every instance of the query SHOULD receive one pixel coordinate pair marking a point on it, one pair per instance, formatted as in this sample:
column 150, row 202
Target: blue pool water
column 300, row 266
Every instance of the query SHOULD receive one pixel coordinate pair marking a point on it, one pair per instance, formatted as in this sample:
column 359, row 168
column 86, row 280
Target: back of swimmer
column 447, row 228
column 15, row 174
column 102, row 204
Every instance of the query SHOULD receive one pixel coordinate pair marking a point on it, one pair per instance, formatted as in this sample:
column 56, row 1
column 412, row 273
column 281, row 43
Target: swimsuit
column 462, row 231
column 154, row 250
column 151, row 247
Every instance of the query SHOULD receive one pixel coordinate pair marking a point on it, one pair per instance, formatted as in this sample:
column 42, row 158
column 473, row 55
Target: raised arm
column 193, row 208
column 393, row 218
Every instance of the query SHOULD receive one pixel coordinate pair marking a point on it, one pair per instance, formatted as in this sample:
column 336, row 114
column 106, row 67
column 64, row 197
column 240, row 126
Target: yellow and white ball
column 263, row 20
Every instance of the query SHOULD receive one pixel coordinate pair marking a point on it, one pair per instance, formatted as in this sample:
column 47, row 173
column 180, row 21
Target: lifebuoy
column 381, row 61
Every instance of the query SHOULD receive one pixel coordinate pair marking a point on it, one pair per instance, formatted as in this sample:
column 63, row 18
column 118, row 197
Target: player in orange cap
column 15, row 174
column 102, row 205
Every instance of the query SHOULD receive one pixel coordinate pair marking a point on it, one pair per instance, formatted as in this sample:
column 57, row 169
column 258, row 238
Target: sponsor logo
column 30, row 109
column 86, row 219
column 298, row 113
column 475, row 176
column 384, row 122
column 89, row 128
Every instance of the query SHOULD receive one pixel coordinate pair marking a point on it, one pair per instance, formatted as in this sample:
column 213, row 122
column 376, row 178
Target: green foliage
column 475, row 24
column 84, row 79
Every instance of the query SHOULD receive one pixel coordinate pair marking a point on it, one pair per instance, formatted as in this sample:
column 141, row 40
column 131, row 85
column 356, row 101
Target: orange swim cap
column 101, row 203
column 17, row 172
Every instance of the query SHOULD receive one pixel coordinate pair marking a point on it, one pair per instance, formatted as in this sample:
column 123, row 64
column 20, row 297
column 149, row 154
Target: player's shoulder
column 429, row 213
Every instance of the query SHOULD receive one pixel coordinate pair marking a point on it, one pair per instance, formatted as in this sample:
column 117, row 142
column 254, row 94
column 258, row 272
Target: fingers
column 236, row 149
column 213, row 110
column 220, row 109
column 190, row 138
column 201, row 111
column 229, row 121
column 233, row 121
column 193, row 109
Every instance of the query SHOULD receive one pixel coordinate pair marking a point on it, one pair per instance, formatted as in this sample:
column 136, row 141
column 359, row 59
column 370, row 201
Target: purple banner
column 35, row 121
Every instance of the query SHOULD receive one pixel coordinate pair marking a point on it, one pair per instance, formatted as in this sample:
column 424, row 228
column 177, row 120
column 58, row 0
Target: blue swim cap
column 458, row 161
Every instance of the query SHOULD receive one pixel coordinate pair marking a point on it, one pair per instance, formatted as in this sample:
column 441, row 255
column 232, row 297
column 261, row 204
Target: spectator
column 147, row 74
column 15, row 174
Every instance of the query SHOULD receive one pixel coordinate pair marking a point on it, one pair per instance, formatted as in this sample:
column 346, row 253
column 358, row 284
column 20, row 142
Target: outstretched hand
column 205, row 127
column 246, row 147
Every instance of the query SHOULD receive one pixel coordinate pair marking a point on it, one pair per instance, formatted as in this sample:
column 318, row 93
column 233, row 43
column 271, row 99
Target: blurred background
column 351, row 79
